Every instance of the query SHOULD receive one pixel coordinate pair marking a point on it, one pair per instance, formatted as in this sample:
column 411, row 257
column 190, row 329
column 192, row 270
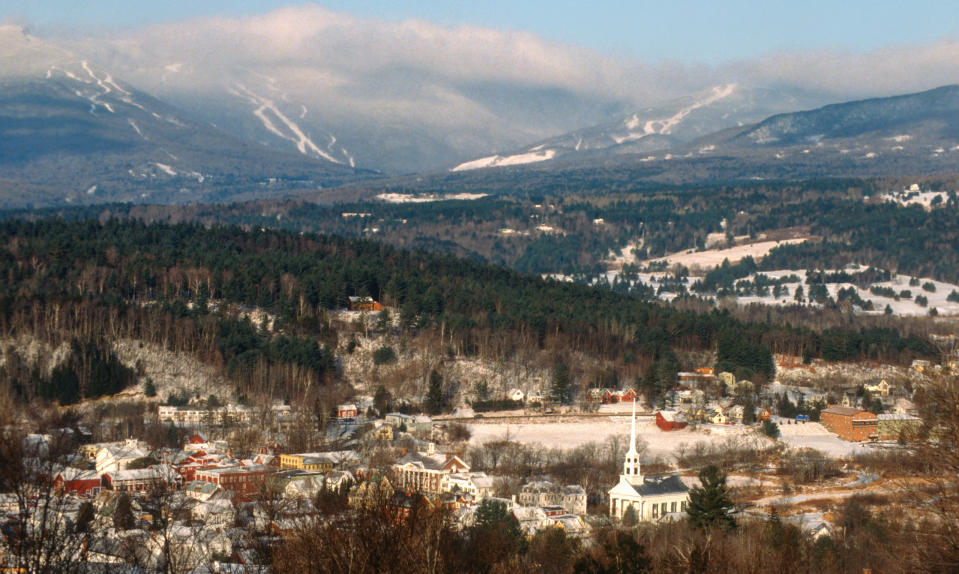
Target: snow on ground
column 816, row 436
column 501, row 161
column 715, row 257
column 294, row 133
column 666, row 125
column 166, row 169
column 905, row 306
column 923, row 198
column 625, row 255
column 410, row 198
column 569, row 434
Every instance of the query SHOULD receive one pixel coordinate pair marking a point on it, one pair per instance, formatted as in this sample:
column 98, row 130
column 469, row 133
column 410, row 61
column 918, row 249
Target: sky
column 707, row 32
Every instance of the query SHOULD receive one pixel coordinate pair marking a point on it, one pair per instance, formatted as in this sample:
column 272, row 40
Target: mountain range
column 73, row 131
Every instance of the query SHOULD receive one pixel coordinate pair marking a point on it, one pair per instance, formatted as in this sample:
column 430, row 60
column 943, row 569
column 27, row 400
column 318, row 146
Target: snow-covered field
column 570, row 434
column 905, row 306
column 534, row 156
column 715, row 257
column 915, row 196
column 410, row 198
column 814, row 435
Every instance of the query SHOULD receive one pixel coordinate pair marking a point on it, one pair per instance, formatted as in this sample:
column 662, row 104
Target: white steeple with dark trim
column 632, row 473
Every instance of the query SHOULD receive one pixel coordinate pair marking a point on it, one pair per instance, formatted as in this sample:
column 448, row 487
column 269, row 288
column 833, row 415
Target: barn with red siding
column 670, row 420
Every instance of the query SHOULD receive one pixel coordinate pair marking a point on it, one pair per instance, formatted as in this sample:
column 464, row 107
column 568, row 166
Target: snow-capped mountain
column 73, row 133
column 658, row 128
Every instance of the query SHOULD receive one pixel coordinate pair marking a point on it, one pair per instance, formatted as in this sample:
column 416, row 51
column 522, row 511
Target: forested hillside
column 182, row 285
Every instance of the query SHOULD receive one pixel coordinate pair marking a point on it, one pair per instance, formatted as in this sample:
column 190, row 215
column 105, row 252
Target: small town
column 211, row 487
column 431, row 287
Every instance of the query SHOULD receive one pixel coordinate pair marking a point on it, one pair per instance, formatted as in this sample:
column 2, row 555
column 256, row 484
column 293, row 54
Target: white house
column 114, row 457
column 650, row 497
column 478, row 484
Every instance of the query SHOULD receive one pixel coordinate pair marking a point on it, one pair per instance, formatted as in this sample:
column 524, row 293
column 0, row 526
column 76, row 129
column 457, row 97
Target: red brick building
column 850, row 424
column 239, row 479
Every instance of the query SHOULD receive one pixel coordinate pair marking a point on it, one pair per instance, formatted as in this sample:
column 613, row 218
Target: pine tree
column 434, row 396
column 559, row 391
column 709, row 504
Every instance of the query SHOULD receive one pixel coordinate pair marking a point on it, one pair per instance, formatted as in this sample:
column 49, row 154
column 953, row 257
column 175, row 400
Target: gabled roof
column 847, row 411
column 654, row 486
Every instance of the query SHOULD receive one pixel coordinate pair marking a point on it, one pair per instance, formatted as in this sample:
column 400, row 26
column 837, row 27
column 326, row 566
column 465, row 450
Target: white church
column 651, row 497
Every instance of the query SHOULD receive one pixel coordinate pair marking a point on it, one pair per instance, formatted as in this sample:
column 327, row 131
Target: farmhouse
column 74, row 481
column 365, row 304
column 650, row 498
column 670, row 420
column 850, row 424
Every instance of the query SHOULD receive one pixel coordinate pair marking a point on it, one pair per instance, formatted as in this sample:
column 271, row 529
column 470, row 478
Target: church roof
column 658, row 485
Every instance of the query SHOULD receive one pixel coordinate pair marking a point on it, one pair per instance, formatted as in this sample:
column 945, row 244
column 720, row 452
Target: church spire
column 632, row 472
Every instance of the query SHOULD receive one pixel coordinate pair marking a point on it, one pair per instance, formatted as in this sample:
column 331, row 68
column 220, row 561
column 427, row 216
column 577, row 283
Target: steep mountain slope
column 72, row 133
column 927, row 117
column 666, row 127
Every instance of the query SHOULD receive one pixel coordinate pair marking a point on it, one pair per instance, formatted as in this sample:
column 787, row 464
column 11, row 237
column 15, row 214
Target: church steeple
column 632, row 472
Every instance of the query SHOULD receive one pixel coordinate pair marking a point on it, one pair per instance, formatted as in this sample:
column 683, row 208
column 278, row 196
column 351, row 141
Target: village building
column 79, row 482
column 425, row 472
column 136, row 480
column 114, row 457
column 571, row 498
column 479, row 485
column 879, row 389
column 893, row 426
column 318, row 461
column 239, row 479
column 850, row 424
column 364, row 304
column 347, row 411
column 670, row 420
column 199, row 490
column 651, row 498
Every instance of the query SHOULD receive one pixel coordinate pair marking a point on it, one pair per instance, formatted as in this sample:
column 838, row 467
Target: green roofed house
column 892, row 426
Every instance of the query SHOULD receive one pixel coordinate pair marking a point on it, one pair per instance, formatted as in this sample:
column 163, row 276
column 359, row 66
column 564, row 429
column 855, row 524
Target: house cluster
column 210, row 499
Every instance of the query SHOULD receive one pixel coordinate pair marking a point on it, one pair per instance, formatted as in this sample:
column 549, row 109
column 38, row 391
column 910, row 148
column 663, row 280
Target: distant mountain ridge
column 666, row 127
column 857, row 118
column 70, row 133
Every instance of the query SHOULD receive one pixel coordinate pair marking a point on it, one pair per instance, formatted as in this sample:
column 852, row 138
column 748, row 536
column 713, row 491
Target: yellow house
column 717, row 417
column 318, row 461
column 383, row 433
column 881, row 388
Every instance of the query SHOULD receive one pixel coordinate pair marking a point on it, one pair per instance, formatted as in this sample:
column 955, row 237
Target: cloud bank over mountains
column 446, row 93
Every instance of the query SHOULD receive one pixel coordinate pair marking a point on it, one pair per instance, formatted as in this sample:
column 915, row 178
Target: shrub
column 384, row 355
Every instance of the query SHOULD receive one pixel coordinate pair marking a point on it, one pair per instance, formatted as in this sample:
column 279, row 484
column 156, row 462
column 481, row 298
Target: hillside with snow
column 74, row 133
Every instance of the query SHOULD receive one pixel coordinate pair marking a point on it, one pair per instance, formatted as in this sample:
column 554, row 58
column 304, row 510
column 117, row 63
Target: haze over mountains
column 303, row 98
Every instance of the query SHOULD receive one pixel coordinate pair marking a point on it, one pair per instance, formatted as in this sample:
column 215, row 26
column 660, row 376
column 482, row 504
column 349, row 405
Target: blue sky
column 684, row 30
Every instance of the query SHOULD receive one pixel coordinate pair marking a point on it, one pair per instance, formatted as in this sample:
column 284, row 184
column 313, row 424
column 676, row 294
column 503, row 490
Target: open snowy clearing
column 905, row 306
column 715, row 257
column 816, row 436
column 659, row 443
column 410, row 198
column 566, row 435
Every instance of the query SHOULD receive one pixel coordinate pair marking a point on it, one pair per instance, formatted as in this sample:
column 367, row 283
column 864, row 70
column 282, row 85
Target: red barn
column 79, row 482
column 670, row 420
